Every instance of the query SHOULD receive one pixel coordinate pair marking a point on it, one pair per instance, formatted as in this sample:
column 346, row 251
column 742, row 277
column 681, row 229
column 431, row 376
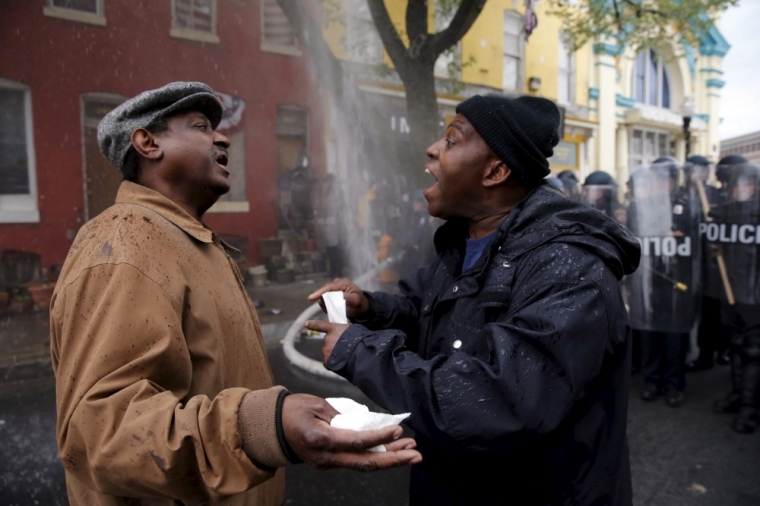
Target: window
column 364, row 44
column 647, row 146
column 85, row 11
column 513, row 50
column 566, row 78
column 447, row 66
column 277, row 35
column 18, row 185
column 650, row 80
column 194, row 20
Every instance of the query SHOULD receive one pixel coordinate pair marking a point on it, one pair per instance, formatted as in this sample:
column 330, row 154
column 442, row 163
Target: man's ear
column 147, row 145
column 497, row 173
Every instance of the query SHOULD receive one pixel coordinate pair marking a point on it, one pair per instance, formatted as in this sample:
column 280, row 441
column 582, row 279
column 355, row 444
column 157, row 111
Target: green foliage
column 637, row 24
column 447, row 8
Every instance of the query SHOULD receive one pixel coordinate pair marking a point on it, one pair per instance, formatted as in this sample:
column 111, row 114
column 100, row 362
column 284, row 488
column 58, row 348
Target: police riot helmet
column 600, row 178
column 568, row 174
column 723, row 170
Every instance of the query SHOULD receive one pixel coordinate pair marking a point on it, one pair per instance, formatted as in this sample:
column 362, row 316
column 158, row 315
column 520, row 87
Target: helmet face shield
column 698, row 172
column 743, row 183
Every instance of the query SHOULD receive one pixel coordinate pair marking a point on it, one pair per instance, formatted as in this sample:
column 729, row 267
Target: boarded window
column 275, row 27
column 198, row 15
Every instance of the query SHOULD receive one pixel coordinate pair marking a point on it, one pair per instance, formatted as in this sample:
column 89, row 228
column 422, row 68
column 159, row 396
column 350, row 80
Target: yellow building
column 621, row 110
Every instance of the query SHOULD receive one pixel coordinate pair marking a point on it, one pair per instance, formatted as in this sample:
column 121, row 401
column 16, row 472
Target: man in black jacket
column 511, row 350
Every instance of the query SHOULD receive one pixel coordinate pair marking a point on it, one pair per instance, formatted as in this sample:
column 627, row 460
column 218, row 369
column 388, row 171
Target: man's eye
column 202, row 126
column 449, row 143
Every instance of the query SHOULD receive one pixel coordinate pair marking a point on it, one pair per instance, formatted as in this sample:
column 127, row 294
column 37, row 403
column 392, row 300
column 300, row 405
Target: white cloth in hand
column 355, row 416
column 335, row 304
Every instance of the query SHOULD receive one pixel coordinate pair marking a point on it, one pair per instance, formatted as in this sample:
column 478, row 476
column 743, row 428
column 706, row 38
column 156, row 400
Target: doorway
column 101, row 179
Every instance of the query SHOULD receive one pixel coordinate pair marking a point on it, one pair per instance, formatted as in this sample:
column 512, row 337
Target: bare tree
column 414, row 61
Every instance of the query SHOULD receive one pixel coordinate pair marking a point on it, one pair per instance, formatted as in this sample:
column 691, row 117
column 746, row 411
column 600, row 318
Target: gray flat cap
column 116, row 128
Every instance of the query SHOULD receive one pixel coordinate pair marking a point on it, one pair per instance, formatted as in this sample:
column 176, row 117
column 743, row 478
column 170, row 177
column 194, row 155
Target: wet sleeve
column 547, row 349
column 126, row 424
column 400, row 312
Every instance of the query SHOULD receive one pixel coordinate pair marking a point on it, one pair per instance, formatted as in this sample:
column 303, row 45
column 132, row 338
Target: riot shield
column 735, row 233
column 604, row 198
column 662, row 294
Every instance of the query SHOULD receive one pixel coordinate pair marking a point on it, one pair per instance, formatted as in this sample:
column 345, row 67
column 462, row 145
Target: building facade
column 622, row 110
column 64, row 64
column 747, row 145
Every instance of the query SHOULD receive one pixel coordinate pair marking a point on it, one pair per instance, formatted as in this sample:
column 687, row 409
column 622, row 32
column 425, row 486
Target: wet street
column 687, row 456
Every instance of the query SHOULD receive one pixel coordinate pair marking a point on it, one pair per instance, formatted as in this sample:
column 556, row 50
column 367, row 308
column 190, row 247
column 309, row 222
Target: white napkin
column 355, row 416
column 335, row 304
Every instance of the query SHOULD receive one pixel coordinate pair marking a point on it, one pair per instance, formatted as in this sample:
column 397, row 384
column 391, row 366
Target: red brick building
column 66, row 63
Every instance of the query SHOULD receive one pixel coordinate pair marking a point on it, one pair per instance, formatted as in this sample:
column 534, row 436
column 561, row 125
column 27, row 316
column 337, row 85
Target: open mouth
column 222, row 159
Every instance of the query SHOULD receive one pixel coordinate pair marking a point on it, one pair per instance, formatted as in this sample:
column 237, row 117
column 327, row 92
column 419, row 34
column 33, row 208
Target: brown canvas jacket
column 154, row 345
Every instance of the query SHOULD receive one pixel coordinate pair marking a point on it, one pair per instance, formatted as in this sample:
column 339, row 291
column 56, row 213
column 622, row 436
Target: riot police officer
column 662, row 293
column 569, row 180
column 600, row 192
column 713, row 336
column 735, row 233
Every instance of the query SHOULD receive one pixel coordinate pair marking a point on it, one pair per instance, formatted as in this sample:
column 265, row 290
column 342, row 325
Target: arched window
column 650, row 80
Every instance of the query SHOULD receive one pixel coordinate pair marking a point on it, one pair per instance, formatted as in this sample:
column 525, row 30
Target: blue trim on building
column 618, row 115
column 593, row 109
column 715, row 83
column 622, row 101
column 690, row 59
column 593, row 93
column 608, row 49
column 713, row 43
column 703, row 117
column 711, row 70
column 605, row 64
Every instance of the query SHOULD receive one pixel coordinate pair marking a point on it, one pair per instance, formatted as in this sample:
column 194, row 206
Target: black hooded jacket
column 515, row 372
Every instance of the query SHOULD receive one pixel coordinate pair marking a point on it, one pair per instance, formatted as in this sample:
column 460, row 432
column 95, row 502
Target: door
column 101, row 179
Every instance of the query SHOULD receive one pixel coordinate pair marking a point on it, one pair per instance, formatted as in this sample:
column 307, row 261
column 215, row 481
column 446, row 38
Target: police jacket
column 515, row 372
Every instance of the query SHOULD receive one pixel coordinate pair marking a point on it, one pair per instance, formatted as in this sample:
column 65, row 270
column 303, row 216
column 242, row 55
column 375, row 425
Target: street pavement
column 679, row 457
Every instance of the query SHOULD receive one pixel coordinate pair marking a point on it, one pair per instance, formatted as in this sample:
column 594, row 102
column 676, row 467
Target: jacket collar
column 545, row 215
column 135, row 194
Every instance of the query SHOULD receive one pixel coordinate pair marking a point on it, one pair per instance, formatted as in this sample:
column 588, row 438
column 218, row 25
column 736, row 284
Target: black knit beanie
column 521, row 131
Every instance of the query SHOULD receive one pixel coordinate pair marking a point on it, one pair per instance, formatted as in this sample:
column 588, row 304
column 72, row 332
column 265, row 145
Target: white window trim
column 275, row 48
column 22, row 208
column 572, row 72
column 645, row 130
column 195, row 35
column 662, row 74
column 98, row 19
column 521, row 65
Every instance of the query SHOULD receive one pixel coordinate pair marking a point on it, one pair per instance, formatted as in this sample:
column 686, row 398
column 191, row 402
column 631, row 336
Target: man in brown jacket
column 163, row 387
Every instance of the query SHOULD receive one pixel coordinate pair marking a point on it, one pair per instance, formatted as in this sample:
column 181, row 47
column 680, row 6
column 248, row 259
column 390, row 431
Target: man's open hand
column 357, row 304
column 306, row 425
column 332, row 331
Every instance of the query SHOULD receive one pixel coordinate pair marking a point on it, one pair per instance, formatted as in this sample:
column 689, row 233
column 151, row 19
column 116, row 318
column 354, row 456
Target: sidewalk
column 25, row 339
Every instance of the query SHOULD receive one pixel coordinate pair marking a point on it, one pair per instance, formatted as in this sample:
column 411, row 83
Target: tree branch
column 640, row 9
column 416, row 19
column 617, row 15
column 464, row 18
column 388, row 34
